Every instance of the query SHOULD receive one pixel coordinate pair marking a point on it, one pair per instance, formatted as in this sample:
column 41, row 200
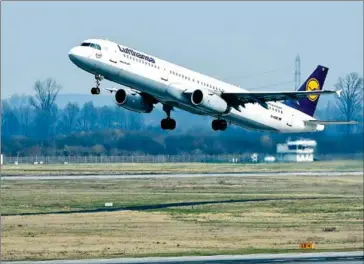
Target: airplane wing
column 261, row 97
column 329, row 122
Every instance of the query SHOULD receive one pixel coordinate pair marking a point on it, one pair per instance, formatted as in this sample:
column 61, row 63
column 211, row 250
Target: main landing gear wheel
column 219, row 125
column 96, row 90
column 168, row 123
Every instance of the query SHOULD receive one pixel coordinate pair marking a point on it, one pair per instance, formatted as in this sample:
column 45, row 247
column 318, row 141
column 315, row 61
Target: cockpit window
column 92, row 45
column 96, row 46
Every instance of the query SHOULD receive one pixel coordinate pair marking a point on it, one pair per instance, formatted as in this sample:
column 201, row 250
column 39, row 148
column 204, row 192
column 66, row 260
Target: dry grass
column 63, row 195
column 141, row 233
column 200, row 229
column 129, row 168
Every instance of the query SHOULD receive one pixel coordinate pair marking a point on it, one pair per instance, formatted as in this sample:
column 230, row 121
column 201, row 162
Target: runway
column 181, row 175
column 355, row 257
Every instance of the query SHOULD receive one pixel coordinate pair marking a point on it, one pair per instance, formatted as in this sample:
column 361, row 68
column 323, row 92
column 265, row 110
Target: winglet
column 338, row 92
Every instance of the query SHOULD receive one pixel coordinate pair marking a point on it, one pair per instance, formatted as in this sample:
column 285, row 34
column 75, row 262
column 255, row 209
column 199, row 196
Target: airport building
column 302, row 150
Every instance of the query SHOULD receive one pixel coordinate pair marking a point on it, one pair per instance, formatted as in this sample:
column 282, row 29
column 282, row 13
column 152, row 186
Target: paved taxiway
column 325, row 257
column 181, row 175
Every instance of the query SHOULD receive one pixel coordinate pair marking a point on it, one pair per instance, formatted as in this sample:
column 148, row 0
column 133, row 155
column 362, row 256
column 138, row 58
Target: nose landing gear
column 96, row 90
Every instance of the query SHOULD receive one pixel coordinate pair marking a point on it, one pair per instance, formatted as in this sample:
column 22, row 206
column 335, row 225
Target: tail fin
column 316, row 81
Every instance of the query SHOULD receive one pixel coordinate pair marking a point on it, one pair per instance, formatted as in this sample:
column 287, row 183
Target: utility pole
column 297, row 73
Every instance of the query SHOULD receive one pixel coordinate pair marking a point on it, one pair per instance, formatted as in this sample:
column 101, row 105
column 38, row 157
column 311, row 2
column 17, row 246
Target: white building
column 302, row 150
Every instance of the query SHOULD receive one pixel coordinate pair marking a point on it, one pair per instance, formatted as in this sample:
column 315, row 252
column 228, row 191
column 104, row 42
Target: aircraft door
column 165, row 74
column 290, row 120
column 113, row 56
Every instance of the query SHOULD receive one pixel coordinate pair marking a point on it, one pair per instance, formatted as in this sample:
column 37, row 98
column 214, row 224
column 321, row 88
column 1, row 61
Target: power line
column 270, row 85
column 297, row 73
column 257, row 74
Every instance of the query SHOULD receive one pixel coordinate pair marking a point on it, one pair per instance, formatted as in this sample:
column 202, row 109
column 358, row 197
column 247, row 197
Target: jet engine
column 209, row 102
column 134, row 101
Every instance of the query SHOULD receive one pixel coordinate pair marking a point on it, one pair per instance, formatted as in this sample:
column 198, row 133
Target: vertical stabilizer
column 314, row 82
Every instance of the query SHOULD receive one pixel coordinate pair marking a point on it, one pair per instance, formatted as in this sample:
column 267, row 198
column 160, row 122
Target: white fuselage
column 167, row 82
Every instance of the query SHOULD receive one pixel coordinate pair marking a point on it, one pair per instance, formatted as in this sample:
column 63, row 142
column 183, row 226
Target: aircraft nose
column 74, row 54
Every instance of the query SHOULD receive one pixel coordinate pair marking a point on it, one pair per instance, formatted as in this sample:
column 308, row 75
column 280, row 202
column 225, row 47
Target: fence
column 241, row 158
column 124, row 159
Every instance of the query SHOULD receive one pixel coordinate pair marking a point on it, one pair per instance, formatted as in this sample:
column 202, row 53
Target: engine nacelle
column 209, row 102
column 133, row 101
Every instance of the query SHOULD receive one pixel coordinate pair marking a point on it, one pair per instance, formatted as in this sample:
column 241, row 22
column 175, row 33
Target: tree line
column 38, row 126
column 41, row 118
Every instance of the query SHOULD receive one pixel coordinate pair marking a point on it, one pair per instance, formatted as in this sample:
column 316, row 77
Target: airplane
column 148, row 80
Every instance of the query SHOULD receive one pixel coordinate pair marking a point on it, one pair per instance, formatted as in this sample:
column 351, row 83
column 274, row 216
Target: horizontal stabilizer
column 262, row 97
column 329, row 122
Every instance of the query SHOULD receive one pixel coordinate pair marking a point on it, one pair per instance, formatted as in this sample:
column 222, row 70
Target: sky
column 251, row 44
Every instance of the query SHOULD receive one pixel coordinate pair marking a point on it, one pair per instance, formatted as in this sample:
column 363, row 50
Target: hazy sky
column 227, row 40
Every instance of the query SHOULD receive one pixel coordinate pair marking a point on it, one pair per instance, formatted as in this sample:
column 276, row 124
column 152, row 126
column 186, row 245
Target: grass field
column 235, row 226
column 129, row 168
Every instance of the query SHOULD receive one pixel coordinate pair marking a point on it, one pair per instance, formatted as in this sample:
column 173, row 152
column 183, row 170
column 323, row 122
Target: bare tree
column 46, row 94
column 70, row 114
column 350, row 103
column 44, row 103
column 25, row 113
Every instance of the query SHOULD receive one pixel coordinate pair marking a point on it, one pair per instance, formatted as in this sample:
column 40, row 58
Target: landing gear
column 219, row 124
column 168, row 123
column 96, row 90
